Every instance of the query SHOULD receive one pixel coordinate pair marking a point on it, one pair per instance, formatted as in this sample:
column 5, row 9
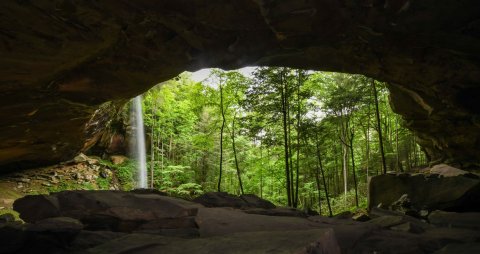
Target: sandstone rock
column 302, row 242
column 6, row 202
column 408, row 227
column 80, row 158
column 24, row 180
column 38, row 207
column 450, row 219
column 279, row 211
column 57, row 225
column 63, row 91
column 361, row 217
column 223, row 199
column 344, row 215
column 220, row 199
column 460, row 248
column 445, row 170
column 107, row 210
column 387, row 221
column 456, row 193
column 221, row 221
column 403, row 205
column 87, row 239
column 12, row 238
column 376, row 212
column 118, row 159
column 257, row 202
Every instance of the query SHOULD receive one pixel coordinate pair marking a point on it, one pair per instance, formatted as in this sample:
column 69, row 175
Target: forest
column 303, row 139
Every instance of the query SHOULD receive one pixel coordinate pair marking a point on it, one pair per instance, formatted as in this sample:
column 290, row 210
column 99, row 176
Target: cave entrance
column 266, row 128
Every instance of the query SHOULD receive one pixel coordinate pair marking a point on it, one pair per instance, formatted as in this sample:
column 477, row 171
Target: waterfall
column 139, row 149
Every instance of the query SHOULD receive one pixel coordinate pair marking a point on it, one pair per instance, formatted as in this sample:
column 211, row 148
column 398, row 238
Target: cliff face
column 60, row 59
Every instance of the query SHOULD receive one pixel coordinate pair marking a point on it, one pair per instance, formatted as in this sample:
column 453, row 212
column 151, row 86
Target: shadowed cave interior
column 68, row 69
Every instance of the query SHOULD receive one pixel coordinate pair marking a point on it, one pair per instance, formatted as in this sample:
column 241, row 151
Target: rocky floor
column 148, row 222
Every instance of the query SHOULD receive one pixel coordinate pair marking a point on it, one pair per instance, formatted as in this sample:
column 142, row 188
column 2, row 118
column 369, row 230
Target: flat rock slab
column 305, row 241
column 221, row 221
column 458, row 220
column 109, row 210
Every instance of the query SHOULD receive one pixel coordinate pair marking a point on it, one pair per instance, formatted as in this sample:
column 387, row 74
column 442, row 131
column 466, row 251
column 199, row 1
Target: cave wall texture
column 60, row 59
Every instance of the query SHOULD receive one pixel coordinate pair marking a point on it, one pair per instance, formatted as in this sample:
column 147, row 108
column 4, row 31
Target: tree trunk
column 152, row 158
column 377, row 113
column 285, row 139
column 343, row 138
column 221, row 137
column 235, row 156
column 261, row 170
column 298, row 137
column 353, row 167
column 320, row 165
column 367, row 139
column 290, row 153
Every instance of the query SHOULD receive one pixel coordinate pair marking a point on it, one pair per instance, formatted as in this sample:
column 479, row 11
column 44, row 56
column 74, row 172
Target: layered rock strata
column 62, row 59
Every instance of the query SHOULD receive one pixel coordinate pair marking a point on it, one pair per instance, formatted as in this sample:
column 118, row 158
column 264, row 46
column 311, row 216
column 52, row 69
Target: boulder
column 279, row 211
column 361, row 217
column 426, row 192
column 118, row 159
column 451, row 219
column 224, row 199
column 400, row 222
column 257, row 202
column 61, row 225
column 408, row 227
column 108, row 210
column 447, row 171
column 220, row 199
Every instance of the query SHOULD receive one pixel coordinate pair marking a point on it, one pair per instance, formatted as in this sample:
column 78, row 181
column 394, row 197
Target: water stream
column 139, row 149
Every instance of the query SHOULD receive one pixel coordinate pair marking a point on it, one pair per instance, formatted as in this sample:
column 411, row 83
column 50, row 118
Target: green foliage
column 329, row 117
column 103, row 183
column 125, row 174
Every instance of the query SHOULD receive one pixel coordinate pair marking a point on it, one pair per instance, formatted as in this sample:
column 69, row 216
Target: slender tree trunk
column 367, row 137
column 290, row 153
column 353, row 167
column 285, row 140
column 170, row 147
column 221, row 137
column 298, row 137
column 415, row 156
column 235, row 155
column 261, row 170
column 343, row 138
column 377, row 113
column 162, row 154
column 336, row 178
column 320, row 166
column 152, row 158
column 399, row 164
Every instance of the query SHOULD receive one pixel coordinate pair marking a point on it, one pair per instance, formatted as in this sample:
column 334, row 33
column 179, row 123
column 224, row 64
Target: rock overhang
column 63, row 59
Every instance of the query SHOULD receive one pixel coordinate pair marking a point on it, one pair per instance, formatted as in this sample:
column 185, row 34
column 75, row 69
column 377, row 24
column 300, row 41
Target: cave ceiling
column 61, row 59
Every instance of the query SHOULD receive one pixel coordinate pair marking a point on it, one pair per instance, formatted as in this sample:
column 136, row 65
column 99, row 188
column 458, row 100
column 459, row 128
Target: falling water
column 139, row 150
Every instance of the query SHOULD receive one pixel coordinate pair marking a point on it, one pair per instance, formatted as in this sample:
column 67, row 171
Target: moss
column 12, row 212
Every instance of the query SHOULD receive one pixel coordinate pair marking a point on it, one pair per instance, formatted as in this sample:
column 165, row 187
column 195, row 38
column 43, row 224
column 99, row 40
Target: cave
column 62, row 60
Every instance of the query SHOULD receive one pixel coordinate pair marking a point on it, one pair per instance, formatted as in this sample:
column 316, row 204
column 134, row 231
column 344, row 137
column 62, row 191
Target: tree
column 379, row 128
